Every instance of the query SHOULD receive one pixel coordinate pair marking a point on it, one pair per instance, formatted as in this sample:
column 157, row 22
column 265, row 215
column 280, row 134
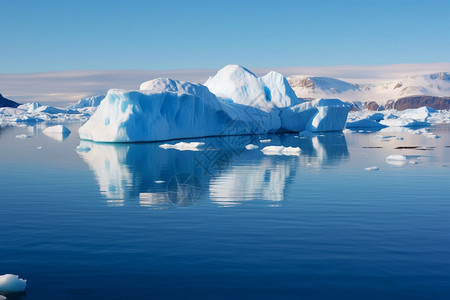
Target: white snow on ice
column 182, row 146
column 251, row 147
column 281, row 150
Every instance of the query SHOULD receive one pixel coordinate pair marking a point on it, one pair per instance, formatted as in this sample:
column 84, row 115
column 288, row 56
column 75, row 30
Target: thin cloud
column 65, row 87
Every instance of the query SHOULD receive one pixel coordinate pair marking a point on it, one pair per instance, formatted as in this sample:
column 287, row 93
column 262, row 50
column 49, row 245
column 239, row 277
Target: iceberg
column 281, row 150
column 10, row 283
column 233, row 102
column 365, row 123
column 182, row 146
column 93, row 101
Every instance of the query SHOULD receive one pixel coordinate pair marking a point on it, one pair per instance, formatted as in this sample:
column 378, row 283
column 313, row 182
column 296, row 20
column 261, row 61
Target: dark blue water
column 226, row 223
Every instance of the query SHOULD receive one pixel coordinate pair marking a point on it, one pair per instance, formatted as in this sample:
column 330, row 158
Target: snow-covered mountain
column 435, row 85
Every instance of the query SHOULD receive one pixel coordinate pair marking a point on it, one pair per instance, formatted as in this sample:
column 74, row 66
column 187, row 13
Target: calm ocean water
column 135, row 221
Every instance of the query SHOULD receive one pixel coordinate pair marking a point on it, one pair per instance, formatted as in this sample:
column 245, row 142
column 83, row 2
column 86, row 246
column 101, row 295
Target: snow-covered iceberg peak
column 236, row 84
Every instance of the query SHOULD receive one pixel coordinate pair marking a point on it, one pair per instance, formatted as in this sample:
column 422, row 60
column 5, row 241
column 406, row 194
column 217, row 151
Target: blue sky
column 38, row 36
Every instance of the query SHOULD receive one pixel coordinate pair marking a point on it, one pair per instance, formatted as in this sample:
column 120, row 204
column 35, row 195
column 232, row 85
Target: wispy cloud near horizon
column 65, row 87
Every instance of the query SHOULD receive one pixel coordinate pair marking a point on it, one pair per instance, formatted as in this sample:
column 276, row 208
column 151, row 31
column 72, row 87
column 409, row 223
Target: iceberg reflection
column 225, row 173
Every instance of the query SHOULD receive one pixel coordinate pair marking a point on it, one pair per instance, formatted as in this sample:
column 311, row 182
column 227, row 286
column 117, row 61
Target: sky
column 49, row 35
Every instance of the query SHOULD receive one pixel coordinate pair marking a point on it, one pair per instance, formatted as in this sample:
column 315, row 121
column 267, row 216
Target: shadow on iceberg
column 224, row 172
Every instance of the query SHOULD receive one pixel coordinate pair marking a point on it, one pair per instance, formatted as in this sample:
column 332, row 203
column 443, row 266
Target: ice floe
column 374, row 168
column 22, row 136
column 182, row 146
column 10, row 283
column 411, row 118
column 281, row 150
column 251, row 147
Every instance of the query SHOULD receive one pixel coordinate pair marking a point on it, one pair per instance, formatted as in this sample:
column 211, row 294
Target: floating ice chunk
column 39, row 148
column 265, row 141
column 281, row 150
column 413, row 162
column 159, row 181
column 182, row 146
column 315, row 116
column 56, row 129
column 403, row 122
column 22, row 136
column 93, row 101
column 365, row 123
column 374, row 168
column 376, row 117
column 251, row 147
column 10, row 283
column 397, row 157
column 396, row 160
column 29, row 107
column 83, row 148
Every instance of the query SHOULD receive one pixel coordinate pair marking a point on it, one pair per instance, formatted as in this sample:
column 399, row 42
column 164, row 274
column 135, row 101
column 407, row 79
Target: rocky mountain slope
column 431, row 90
column 7, row 103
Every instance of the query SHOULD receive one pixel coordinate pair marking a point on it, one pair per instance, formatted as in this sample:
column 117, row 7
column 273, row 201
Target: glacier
column 233, row 102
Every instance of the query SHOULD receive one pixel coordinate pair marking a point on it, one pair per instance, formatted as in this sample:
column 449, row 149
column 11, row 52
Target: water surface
column 135, row 221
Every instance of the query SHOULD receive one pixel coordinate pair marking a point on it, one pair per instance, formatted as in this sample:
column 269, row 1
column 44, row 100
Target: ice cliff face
column 235, row 101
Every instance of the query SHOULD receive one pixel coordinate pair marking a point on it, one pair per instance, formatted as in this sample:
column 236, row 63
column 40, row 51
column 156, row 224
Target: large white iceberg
column 234, row 101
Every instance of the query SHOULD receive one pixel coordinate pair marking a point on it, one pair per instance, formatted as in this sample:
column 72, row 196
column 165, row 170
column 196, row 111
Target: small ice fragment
column 432, row 136
column 182, row 146
column 39, row 147
column 159, row 181
column 251, row 147
column 397, row 157
column 265, row 141
column 281, row 150
column 57, row 129
column 346, row 131
column 21, row 136
column 83, row 148
column 374, row 168
column 413, row 162
column 10, row 283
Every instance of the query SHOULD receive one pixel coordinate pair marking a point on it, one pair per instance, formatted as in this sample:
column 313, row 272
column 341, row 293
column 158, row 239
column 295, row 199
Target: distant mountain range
column 7, row 103
column 431, row 90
